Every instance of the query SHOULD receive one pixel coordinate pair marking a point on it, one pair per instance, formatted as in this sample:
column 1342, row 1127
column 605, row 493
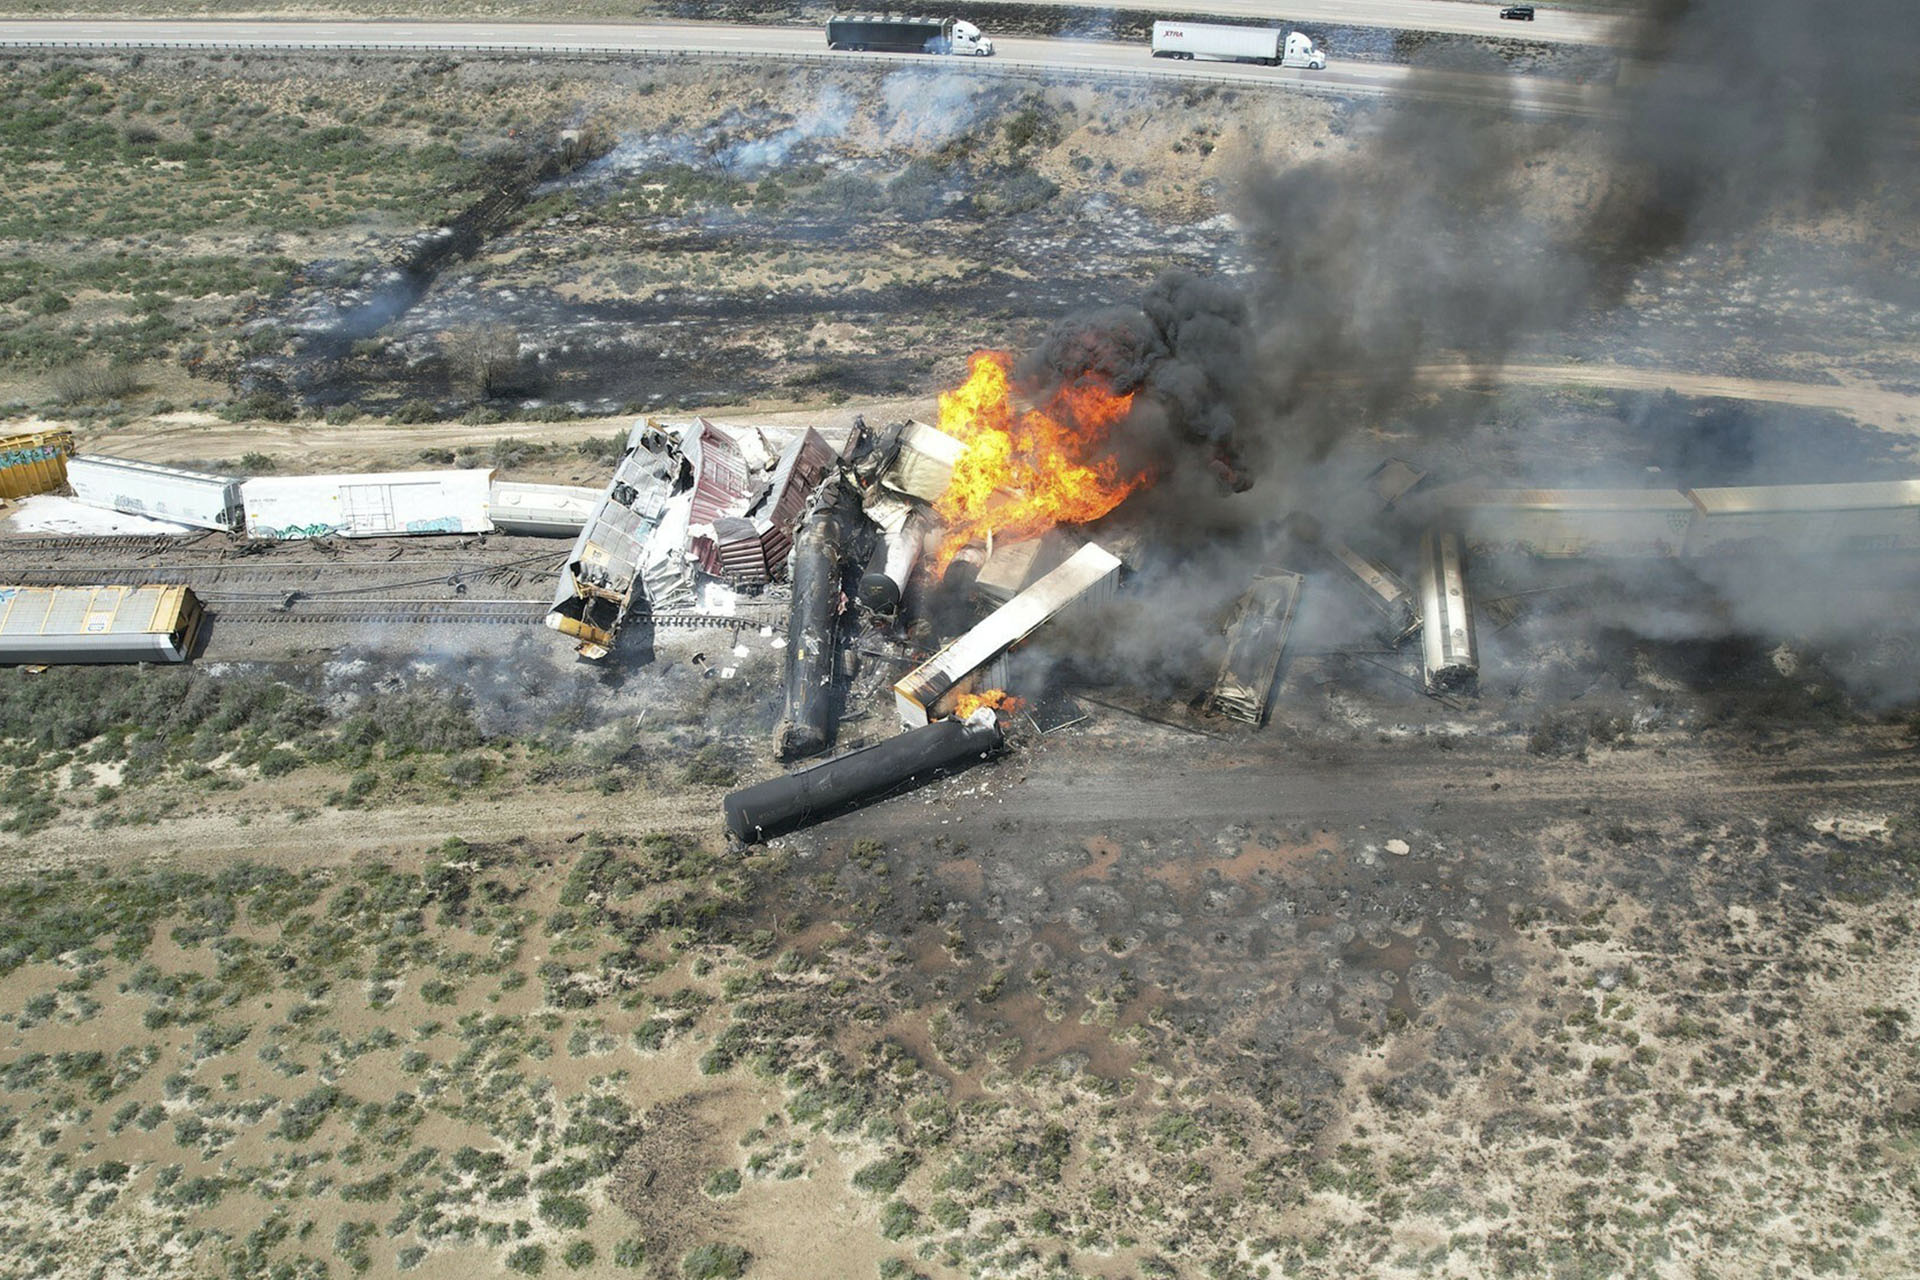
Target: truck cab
column 968, row 39
column 1300, row 52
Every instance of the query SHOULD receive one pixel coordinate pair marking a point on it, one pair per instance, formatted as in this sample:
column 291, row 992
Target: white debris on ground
column 45, row 513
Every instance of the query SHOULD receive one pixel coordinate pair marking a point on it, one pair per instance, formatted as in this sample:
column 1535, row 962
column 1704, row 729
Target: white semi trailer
column 1267, row 46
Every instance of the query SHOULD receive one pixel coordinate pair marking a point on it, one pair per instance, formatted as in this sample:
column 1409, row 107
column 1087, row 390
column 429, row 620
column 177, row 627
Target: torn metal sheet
column 1256, row 640
column 929, row 690
column 600, row 582
column 720, row 483
column 752, row 547
column 779, row 805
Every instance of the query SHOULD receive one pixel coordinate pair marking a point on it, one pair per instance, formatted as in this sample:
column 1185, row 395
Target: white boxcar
column 163, row 493
column 367, row 506
column 1805, row 519
column 929, row 690
column 1561, row 523
column 549, row 510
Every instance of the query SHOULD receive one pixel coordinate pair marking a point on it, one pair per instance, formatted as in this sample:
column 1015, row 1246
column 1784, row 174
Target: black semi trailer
column 867, row 33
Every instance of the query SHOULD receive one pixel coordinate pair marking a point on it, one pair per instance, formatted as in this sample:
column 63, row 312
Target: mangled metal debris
column 1389, row 482
column 752, row 547
column 795, row 800
column 920, row 460
column 1256, row 640
column 679, row 506
column 930, row 690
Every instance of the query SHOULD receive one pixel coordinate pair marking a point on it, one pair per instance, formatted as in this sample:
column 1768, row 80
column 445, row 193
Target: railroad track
column 525, row 613
column 205, row 577
column 137, row 543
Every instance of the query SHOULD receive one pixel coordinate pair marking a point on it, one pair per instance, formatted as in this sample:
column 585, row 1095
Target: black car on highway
column 1518, row 12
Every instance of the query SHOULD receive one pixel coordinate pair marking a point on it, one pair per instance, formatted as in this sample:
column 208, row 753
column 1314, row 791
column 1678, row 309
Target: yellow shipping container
column 35, row 463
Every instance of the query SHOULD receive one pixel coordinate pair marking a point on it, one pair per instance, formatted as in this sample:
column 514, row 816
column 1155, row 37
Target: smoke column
column 1425, row 247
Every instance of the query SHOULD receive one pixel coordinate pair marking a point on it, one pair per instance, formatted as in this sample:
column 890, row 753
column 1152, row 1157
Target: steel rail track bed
column 491, row 612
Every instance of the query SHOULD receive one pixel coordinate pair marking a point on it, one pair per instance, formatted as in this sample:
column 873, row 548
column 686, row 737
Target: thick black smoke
column 1430, row 245
column 1435, row 243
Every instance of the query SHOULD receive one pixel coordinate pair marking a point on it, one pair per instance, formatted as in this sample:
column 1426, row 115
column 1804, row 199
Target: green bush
column 715, row 1262
column 528, row 1259
column 260, row 406
column 579, row 1255
column 897, row 1219
column 564, row 1211
column 93, row 382
column 884, row 1175
column 413, row 413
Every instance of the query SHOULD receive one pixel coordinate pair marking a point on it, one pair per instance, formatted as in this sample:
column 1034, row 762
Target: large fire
column 1000, row 700
column 1025, row 471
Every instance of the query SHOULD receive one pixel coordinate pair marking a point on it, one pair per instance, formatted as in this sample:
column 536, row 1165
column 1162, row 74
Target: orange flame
column 1025, row 471
column 1000, row 700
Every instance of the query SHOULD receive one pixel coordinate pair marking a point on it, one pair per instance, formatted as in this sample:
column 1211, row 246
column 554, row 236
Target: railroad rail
column 202, row 577
column 139, row 543
column 258, row 610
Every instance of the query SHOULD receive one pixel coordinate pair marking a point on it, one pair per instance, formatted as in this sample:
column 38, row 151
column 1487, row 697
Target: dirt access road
column 318, row 446
column 1075, row 789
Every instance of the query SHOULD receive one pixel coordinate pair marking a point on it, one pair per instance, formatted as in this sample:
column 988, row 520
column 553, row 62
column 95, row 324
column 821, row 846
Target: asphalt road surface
column 1080, row 57
column 1550, row 25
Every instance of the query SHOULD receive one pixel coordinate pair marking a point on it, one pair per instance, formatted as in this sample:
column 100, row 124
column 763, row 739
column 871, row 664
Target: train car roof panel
column 1573, row 499
column 1867, row 496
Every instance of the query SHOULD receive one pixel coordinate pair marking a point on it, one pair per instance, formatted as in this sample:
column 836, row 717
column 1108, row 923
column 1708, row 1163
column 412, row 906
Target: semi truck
column 1270, row 47
column 863, row 32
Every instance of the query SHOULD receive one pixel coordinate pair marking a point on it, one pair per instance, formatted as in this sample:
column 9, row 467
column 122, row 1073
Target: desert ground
column 367, row 949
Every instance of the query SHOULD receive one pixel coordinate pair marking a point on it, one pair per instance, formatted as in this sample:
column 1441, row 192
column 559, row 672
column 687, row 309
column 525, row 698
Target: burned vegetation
column 1212, row 780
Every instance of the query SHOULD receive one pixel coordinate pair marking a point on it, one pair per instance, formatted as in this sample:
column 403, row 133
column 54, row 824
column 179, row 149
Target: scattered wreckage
column 877, row 572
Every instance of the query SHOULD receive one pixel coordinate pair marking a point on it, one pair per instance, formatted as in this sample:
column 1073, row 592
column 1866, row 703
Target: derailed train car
column 1256, row 639
column 1805, row 519
column 1450, row 658
column 1556, row 524
column 158, row 623
column 1746, row 520
column 601, row 580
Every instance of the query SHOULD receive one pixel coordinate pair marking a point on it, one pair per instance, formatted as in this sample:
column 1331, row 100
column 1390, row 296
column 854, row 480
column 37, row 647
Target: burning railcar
column 932, row 688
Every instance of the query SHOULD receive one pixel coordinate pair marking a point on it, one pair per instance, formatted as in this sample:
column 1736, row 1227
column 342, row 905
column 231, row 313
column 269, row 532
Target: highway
column 1036, row 57
column 1550, row 25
